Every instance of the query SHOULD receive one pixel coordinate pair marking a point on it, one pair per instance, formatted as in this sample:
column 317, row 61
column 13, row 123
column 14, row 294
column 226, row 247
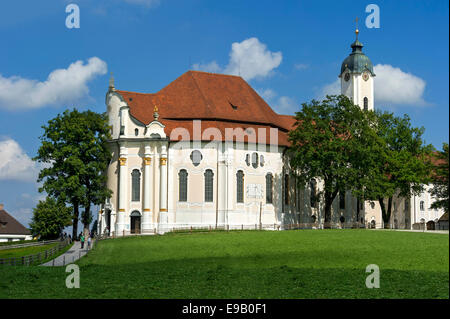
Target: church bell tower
column 357, row 77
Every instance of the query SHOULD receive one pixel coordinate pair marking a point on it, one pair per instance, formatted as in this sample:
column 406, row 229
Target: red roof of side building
column 220, row 101
column 10, row 226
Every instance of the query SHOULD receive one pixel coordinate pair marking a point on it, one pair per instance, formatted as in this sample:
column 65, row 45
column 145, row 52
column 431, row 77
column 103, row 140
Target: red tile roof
column 222, row 101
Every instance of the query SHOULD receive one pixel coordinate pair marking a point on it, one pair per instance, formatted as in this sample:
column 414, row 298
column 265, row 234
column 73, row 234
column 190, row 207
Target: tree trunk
column 329, row 198
column 327, row 210
column 75, row 221
column 386, row 214
column 86, row 218
column 389, row 210
column 358, row 210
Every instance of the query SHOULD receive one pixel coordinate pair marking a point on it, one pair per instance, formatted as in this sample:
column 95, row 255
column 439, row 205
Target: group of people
column 83, row 239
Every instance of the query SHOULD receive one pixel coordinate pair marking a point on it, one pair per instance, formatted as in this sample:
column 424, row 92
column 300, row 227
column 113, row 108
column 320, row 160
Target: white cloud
column 391, row 86
column 285, row 105
column 61, row 86
column 212, row 67
column 331, row 89
column 15, row 164
column 250, row 59
column 281, row 105
column 267, row 94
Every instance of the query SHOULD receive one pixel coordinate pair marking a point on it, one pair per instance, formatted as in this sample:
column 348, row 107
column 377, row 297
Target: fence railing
column 37, row 243
column 35, row 258
column 227, row 227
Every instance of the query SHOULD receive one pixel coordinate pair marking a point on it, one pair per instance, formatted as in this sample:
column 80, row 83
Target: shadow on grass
column 194, row 280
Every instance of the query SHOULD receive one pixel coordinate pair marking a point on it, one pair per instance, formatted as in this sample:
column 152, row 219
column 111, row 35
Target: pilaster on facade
column 147, row 220
column 123, row 189
column 163, row 179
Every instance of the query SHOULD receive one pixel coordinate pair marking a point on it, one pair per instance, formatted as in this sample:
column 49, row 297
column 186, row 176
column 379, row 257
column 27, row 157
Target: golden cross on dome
column 155, row 109
column 356, row 31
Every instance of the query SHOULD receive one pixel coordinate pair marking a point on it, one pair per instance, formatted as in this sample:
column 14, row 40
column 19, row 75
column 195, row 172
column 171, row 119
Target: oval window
column 196, row 157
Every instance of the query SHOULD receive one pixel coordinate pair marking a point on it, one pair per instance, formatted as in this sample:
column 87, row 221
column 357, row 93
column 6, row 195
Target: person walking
column 89, row 242
column 82, row 241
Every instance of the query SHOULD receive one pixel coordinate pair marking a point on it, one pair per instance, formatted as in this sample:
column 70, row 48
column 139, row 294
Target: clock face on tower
column 365, row 76
column 347, row 77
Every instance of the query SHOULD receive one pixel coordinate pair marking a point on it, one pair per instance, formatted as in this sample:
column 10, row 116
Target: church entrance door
column 135, row 222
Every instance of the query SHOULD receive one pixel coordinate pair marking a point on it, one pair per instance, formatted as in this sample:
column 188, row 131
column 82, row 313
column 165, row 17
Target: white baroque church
column 208, row 151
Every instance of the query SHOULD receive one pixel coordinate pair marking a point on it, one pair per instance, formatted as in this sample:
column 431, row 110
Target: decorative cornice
column 163, row 210
column 163, row 161
column 122, row 210
column 147, row 210
column 123, row 161
column 147, row 160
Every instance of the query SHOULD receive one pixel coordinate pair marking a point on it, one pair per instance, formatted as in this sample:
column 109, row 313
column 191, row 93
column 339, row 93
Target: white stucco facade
column 147, row 151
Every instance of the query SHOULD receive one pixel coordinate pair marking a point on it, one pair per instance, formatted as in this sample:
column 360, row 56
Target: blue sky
column 289, row 51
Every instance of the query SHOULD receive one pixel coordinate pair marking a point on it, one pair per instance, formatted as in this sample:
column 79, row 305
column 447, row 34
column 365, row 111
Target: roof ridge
column 135, row 92
column 201, row 93
column 212, row 73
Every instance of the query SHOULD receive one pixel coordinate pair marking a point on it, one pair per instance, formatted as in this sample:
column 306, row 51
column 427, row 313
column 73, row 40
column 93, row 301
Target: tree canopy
column 401, row 167
column 328, row 142
column 440, row 191
column 74, row 149
column 49, row 219
column 375, row 155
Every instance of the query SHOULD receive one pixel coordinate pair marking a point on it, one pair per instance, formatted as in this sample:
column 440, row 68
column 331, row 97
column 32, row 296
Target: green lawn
column 24, row 251
column 249, row 264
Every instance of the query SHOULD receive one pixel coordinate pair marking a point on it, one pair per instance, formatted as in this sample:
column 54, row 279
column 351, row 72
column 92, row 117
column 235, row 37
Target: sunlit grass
column 249, row 264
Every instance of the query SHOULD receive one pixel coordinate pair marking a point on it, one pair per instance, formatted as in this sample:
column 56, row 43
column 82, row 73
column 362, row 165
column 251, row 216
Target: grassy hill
column 249, row 264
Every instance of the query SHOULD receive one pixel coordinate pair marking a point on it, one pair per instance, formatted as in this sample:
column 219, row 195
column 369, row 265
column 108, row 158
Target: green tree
column 401, row 166
column 327, row 143
column 49, row 219
column 74, row 149
column 440, row 175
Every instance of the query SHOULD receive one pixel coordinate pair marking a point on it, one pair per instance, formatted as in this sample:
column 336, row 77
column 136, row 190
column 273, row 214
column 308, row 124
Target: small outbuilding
column 11, row 229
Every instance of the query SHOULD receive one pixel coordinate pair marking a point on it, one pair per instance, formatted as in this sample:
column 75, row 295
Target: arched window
column 136, row 132
column 135, row 185
column 247, row 159
column 182, row 175
column 341, row 200
column 269, row 188
column 422, row 205
column 209, row 178
column 261, row 160
column 255, row 160
column 240, row 186
column 366, row 104
column 312, row 186
column 286, row 189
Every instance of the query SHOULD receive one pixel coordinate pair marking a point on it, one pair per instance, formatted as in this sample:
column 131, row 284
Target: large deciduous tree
column 440, row 174
column 74, row 149
column 49, row 219
column 328, row 142
column 402, row 166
